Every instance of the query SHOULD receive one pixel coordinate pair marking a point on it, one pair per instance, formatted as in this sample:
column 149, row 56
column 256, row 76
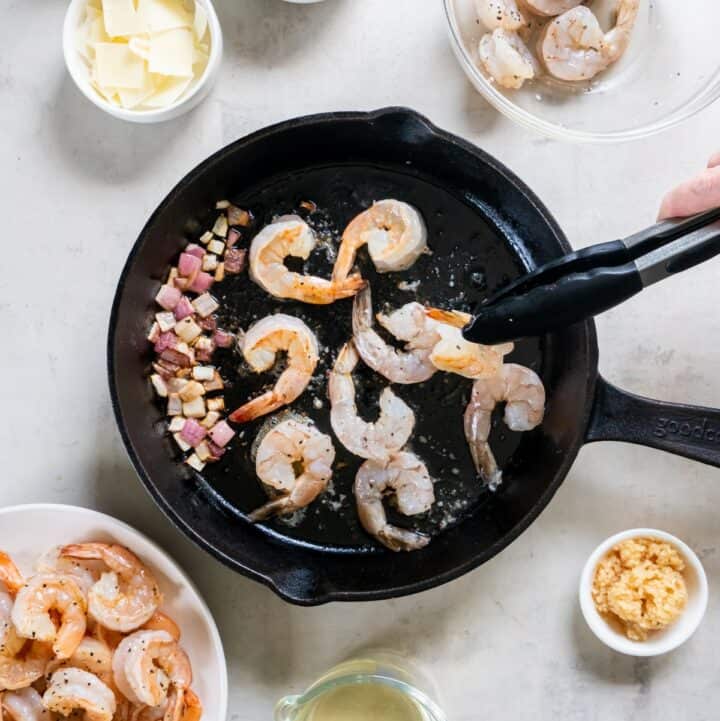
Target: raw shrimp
column 25, row 667
column 260, row 346
column 294, row 460
column 409, row 324
column 395, row 235
column 549, row 8
column 453, row 354
column 72, row 689
column 524, row 396
column 10, row 576
column 404, row 475
column 292, row 236
column 23, row 705
column 126, row 597
column 499, row 14
column 506, row 58
column 574, row 47
column 147, row 664
column 368, row 440
column 43, row 595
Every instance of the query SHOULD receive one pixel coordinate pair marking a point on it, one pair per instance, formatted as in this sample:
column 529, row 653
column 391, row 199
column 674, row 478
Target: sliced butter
column 120, row 17
column 200, row 22
column 172, row 52
column 168, row 91
column 117, row 67
column 161, row 15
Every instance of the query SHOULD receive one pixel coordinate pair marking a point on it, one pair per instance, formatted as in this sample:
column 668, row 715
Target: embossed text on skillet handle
column 689, row 431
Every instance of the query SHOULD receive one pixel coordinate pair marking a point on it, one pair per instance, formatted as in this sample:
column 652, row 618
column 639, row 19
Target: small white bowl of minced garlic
column 145, row 61
column 643, row 592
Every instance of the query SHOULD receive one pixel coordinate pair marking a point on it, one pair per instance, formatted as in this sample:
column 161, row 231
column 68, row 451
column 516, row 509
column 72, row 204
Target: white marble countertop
column 505, row 642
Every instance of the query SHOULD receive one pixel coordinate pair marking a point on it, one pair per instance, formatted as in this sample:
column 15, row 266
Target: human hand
column 696, row 195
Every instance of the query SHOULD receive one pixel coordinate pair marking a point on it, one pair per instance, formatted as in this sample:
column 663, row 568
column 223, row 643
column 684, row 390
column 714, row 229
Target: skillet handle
column 689, row 431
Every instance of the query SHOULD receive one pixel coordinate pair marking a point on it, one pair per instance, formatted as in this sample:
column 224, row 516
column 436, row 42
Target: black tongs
column 589, row 281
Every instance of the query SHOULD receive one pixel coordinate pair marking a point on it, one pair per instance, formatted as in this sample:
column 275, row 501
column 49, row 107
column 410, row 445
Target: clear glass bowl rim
column 559, row 132
column 314, row 692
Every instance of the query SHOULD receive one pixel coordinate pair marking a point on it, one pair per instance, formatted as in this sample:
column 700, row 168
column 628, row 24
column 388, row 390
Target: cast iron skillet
column 485, row 227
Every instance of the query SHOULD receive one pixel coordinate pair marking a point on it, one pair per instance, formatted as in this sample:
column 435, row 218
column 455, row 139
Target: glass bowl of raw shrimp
column 669, row 72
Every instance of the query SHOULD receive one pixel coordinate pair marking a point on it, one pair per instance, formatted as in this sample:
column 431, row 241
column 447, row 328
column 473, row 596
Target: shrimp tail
column 400, row 539
column 482, row 456
column 10, row 575
column 350, row 286
column 278, row 507
column 260, row 406
column 454, row 318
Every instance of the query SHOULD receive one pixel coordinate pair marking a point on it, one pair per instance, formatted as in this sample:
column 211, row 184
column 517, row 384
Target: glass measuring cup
column 379, row 682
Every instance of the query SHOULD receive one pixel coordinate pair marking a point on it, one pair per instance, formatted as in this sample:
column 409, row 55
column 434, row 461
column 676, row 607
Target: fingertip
column 714, row 161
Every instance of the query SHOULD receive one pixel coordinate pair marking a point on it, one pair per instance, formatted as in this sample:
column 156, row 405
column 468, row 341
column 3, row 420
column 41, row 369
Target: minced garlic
column 640, row 583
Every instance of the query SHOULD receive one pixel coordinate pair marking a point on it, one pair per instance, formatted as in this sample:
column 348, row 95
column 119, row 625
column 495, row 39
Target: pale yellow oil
column 363, row 702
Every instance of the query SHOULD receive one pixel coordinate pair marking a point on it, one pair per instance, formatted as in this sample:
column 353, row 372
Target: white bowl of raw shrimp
column 669, row 71
column 29, row 533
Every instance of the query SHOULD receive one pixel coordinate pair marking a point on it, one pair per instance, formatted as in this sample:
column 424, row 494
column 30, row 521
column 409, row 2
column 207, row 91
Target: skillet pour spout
column 484, row 225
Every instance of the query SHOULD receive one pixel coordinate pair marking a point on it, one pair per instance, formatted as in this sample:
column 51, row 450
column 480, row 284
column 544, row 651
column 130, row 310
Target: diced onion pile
column 144, row 54
column 185, row 335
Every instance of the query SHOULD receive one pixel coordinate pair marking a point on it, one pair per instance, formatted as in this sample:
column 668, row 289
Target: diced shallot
column 216, row 246
column 174, row 405
column 209, row 262
column 166, row 369
column 221, row 226
column 176, row 424
column 216, row 451
column 235, row 260
column 180, row 359
column 166, row 320
column 221, row 434
column 182, row 443
column 210, row 419
column 206, row 237
column 194, row 409
column 222, row 204
column 195, row 250
column 154, row 333
column 191, row 391
column 202, row 451
column 237, row 216
column 183, row 309
column 203, row 373
column 159, row 385
column 194, row 462
column 204, row 348
column 205, row 305
column 193, row 432
column 175, row 385
column 232, row 237
column 189, row 265
column 216, row 384
column 168, row 296
column 223, row 339
column 201, row 283
column 166, row 340
column 220, row 273
column 215, row 404
column 188, row 329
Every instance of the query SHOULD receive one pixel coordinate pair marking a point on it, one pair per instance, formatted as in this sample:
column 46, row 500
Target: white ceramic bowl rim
column 200, row 604
column 661, row 642
column 69, row 34
column 529, row 120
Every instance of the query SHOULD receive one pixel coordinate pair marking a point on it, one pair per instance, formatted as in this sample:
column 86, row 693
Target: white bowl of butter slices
column 143, row 60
